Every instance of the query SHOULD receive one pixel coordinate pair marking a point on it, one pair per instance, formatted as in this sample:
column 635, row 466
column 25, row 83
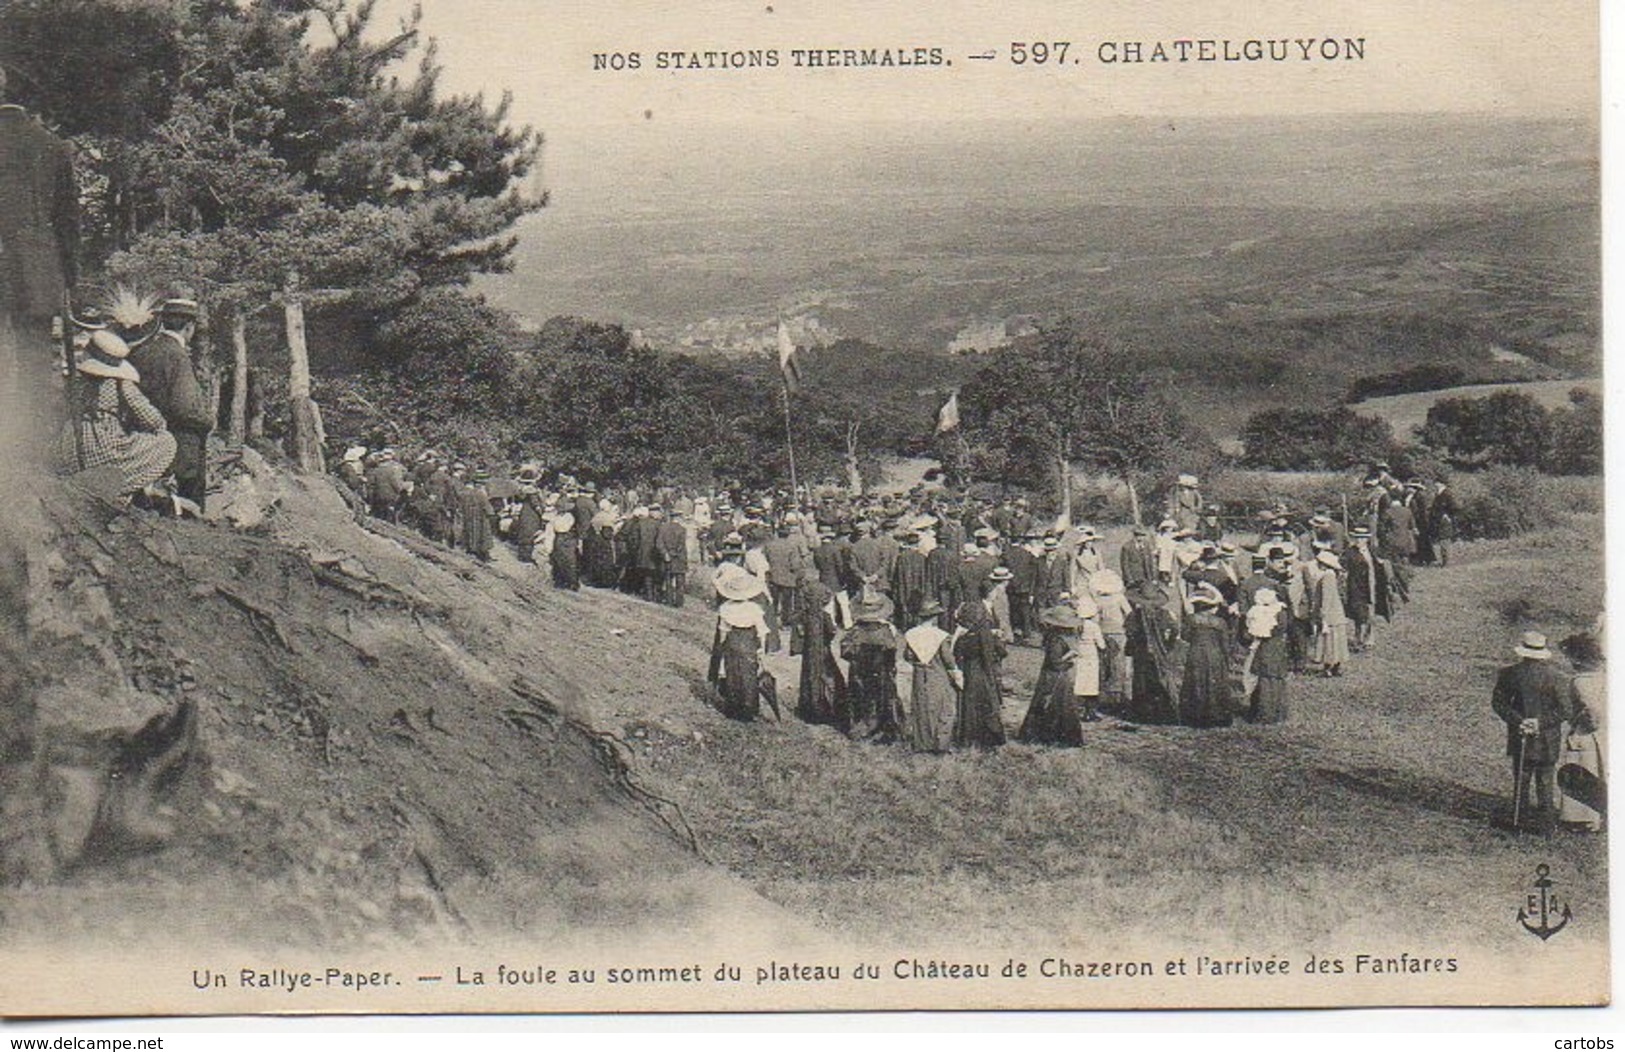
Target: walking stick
column 1517, row 786
column 70, row 377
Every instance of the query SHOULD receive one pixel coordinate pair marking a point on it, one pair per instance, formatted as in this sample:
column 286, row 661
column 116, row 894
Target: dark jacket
column 671, row 547
column 1023, row 566
column 168, row 381
column 39, row 225
column 1533, row 690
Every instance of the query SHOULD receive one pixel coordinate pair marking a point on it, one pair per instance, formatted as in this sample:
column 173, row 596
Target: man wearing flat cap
column 1532, row 699
column 170, row 383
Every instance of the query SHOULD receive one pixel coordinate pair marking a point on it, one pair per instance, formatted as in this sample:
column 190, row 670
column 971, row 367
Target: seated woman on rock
column 112, row 424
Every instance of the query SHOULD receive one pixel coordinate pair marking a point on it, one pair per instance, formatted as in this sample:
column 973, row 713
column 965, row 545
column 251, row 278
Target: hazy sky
column 1503, row 56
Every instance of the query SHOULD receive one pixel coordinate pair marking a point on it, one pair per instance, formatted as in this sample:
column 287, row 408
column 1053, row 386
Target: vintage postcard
column 760, row 505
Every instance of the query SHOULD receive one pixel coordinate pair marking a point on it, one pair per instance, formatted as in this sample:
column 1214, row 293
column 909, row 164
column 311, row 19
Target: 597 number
column 1037, row 54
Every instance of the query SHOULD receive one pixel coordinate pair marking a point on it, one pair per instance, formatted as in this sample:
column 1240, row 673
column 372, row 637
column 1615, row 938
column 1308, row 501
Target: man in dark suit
column 39, row 240
column 671, row 552
column 1138, row 560
column 1024, row 568
column 169, row 382
column 1533, row 700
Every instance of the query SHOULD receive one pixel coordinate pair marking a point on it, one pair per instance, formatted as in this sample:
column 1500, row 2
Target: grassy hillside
column 1407, row 412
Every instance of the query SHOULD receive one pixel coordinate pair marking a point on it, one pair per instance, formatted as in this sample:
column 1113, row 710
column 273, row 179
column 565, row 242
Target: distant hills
column 1252, row 262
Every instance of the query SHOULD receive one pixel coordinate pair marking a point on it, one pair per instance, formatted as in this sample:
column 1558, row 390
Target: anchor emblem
column 1545, row 906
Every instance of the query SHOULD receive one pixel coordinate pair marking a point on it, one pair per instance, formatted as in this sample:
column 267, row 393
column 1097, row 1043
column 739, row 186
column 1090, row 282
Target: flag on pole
column 948, row 415
column 787, row 359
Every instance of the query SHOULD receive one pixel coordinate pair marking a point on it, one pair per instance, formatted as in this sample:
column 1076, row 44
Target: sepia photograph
column 538, row 506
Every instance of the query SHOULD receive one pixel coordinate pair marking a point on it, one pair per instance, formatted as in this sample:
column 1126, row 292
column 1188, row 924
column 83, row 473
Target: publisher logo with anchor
column 1543, row 914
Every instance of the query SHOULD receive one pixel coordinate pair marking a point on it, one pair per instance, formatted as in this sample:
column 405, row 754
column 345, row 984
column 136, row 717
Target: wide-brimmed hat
column 1266, row 597
column 1533, row 646
column 105, row 356
column 1064, row 617
column 1330, row 560
column 564, row 522
column 931, row 608
column 1206, row 595
column 354, row 454
column 872, row 609
column 737, row 583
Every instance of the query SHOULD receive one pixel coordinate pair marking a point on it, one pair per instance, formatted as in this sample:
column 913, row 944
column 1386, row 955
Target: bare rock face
column 249, row 491
column 98, row 726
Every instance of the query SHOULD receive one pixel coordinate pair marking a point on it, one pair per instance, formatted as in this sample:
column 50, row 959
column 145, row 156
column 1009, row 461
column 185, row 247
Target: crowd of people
column 903, row 609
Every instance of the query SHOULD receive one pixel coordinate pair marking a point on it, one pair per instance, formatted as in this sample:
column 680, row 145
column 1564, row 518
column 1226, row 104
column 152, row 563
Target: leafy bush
column 1508, row 501
column 1429, row 377
column 1313, row 439
column 1576, row 436
column 1507, row 427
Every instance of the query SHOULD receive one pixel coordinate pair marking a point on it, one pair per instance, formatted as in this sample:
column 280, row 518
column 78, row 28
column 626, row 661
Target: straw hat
column 1188, row 481
column 1206, row 595
column 105, row 357
column 1533, row 646
column 1000, row 574
column 1329, row 560
column 737, row 584
column 179, row 308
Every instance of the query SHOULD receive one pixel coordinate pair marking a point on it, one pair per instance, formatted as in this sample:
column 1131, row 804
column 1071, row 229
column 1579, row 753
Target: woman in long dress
column 1090, row 649
column 822, row 696
column 566, row 551
column 113, row 424
column 1052, row 718
column 1149, row 639
column 1107, row 587
column 871, row 652
column 1581, row 775
column 736, row 652
column 1000, row 578
column 1270, row 658
column 598, row 547
column 934, row 695
column 980, row 653
column 1204, row 689
column 1331, row 647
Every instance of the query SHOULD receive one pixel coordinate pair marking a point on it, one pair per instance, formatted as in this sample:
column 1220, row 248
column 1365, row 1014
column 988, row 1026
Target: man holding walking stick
column 1531, row 699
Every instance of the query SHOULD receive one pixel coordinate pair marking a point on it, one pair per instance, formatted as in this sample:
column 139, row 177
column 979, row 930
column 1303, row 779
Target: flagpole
column 789, row 442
